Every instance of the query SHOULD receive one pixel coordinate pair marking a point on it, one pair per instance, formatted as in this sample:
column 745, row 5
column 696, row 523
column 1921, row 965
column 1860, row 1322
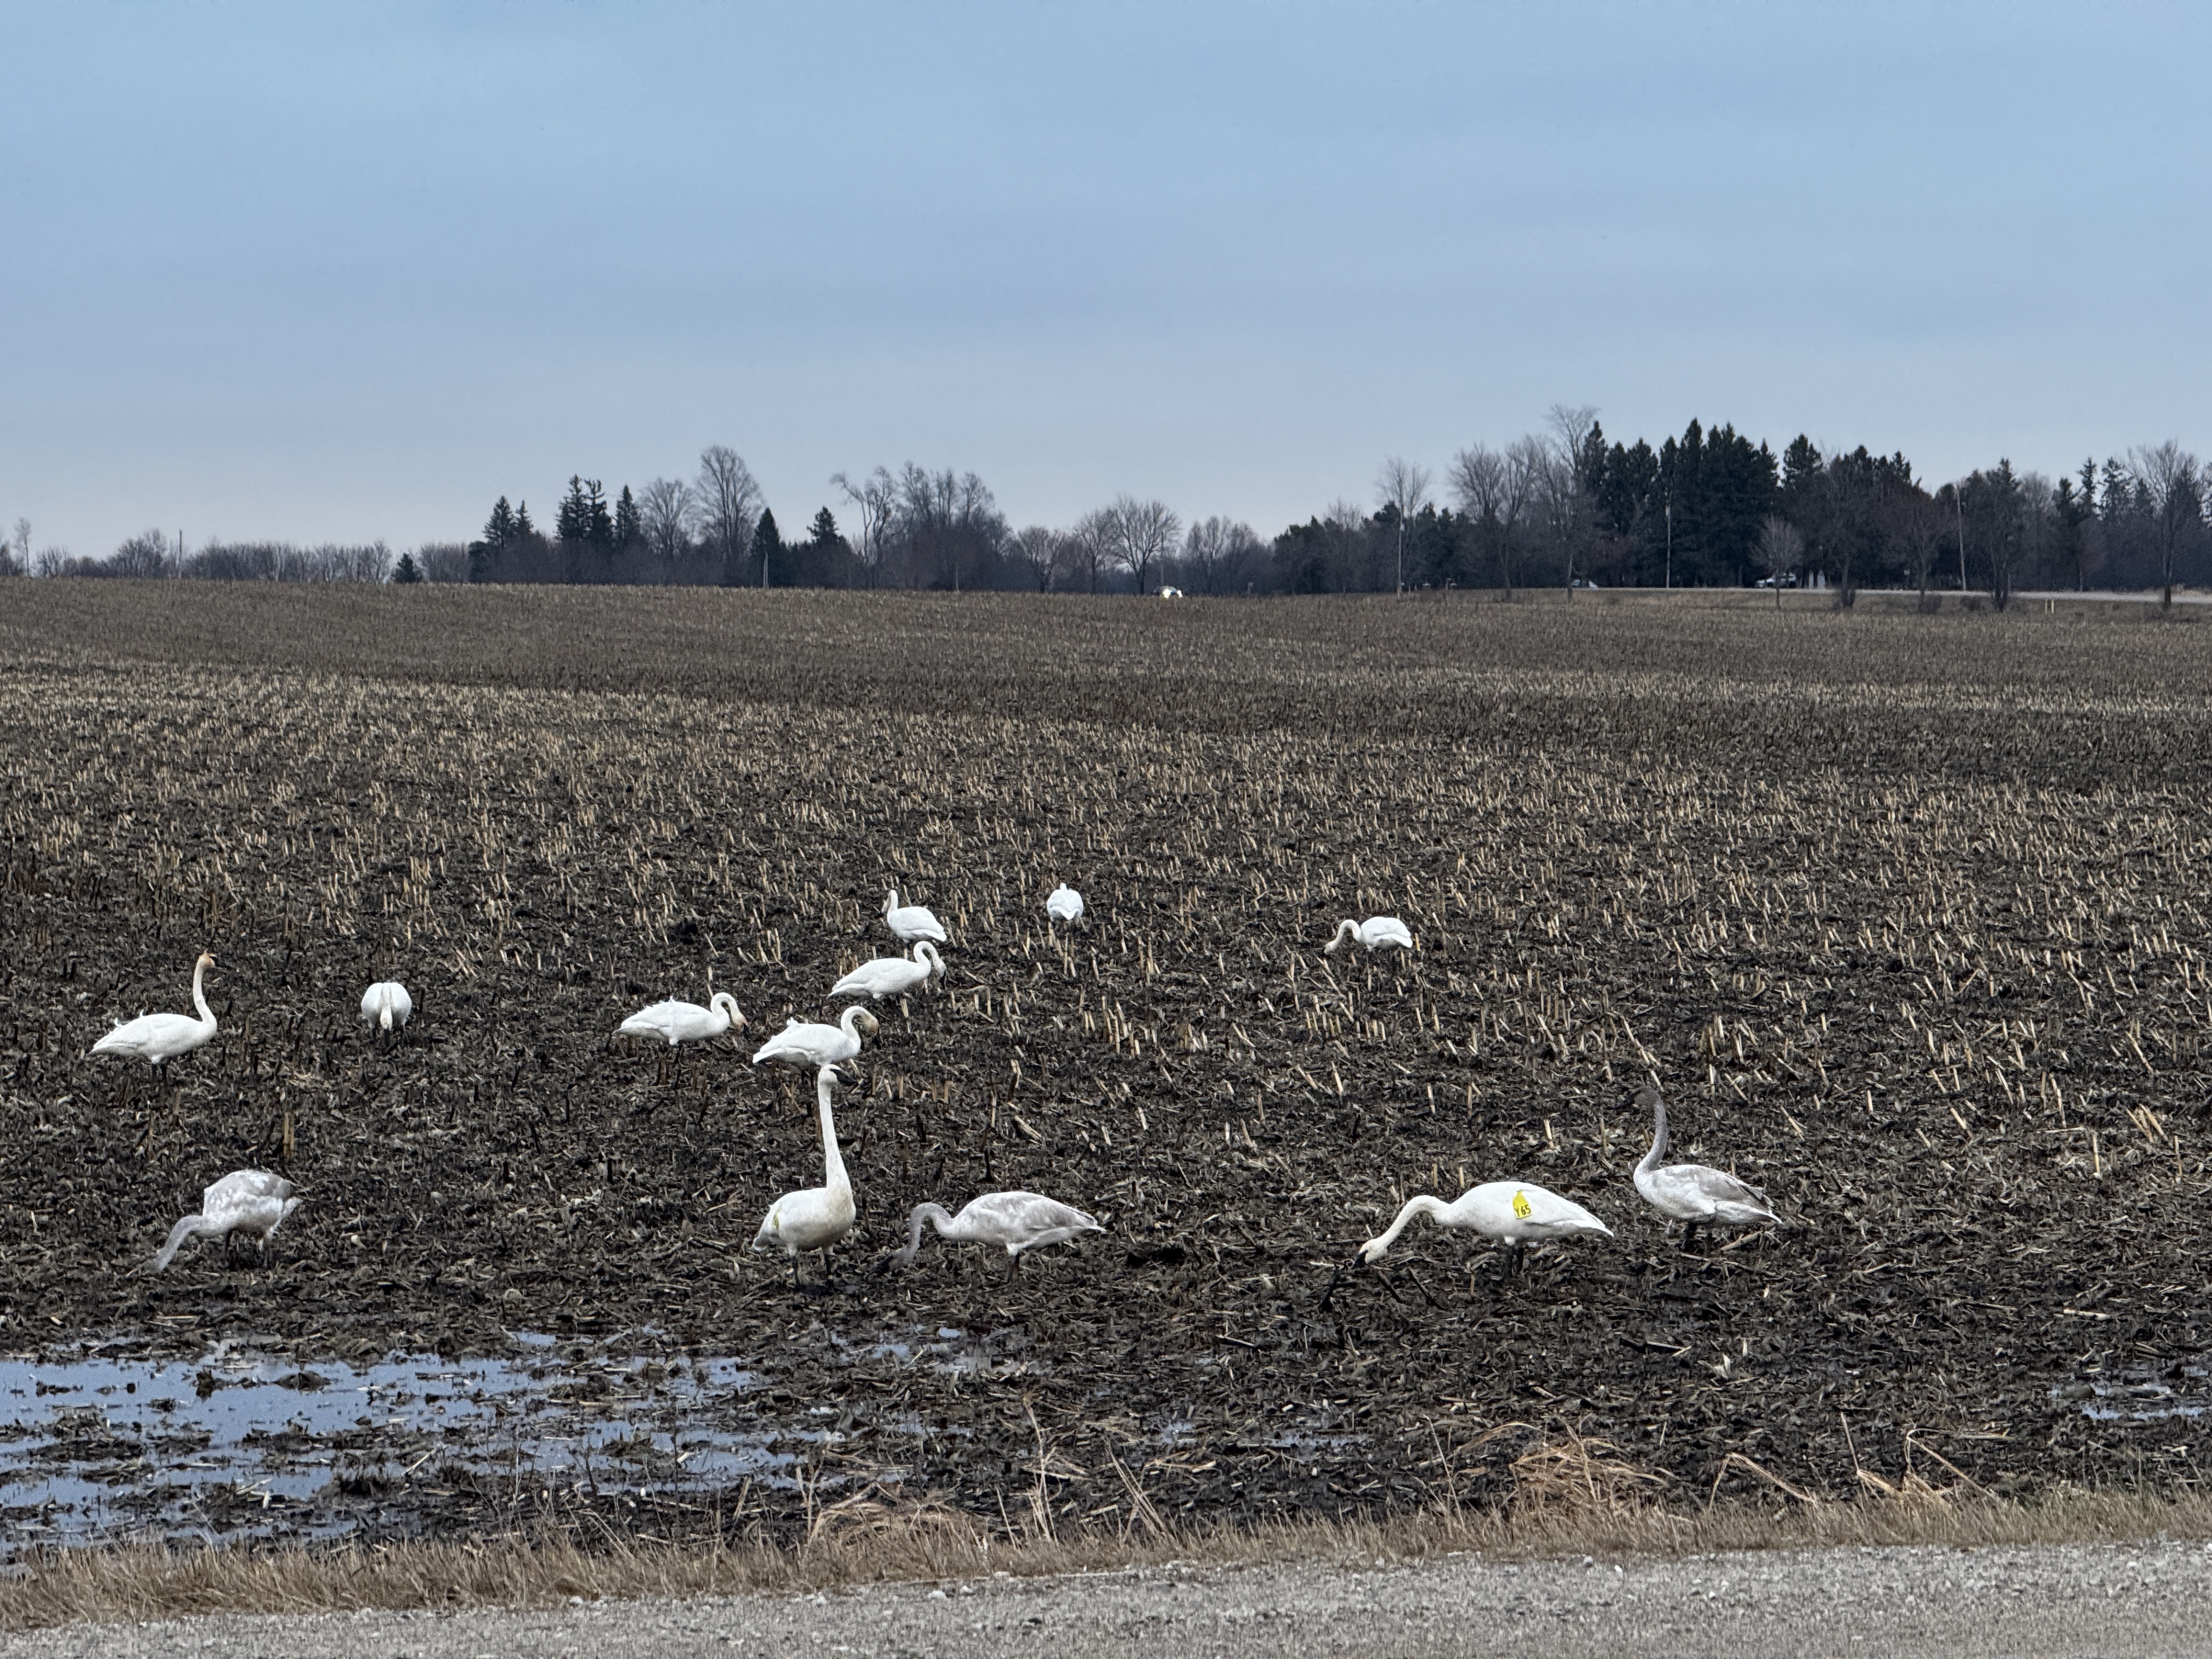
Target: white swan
column 911, row 921
column 387, row 1005
column 1694, row 1194
column 1064, row 904
column 1374, row 932
column 157, row 1037
column 817, row 1217
column 1513, row 1213
column 811, row 1043
column 250, row 1201
column 1020, row 1221
column 686, row 1022
column 891, row 976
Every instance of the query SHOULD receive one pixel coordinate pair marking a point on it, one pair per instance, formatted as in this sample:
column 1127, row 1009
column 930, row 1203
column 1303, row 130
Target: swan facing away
column 387, row 1006
column 1513, row 1213
column 911, row 921
column 891, row 976
column 157, row 1037
column 686, row 1022
column 1694, row 1194
column 810, row 1043
column 1020, row 1221
column 1374, row 932
column 1064, row 904
column 250, row 1201
column 815, row 1217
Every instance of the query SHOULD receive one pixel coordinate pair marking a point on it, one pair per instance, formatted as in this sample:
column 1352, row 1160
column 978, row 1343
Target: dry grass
column 1571, row 1496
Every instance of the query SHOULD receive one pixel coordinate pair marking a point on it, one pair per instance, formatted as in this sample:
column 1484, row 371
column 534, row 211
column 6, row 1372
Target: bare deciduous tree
column 1780, row 551
column 1566, row 484
column 2175, row 480
column 1404, row 487
column 1140, row 534
column 1039, row 550
column 1215, row 549
column 666, row 510
column 729, row 504
column 875, row 497
column 1086, row 549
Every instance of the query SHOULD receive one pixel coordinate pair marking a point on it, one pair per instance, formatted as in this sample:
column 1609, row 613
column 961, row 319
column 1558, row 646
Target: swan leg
column 1689, row 1235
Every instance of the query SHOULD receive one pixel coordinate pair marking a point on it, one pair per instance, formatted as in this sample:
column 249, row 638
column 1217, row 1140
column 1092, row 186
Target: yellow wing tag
column 1521, row 1205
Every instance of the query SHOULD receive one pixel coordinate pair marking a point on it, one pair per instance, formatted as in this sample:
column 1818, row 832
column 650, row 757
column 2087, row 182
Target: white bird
column 1374, row 932
column 686, row 1022
column 387, row 1005
column 1694, row 1194
column 250, row 1201
column 891, row 976
column 817, row 1217
column 911, row 921
column 1064, row 904
column 1020, row 1221
column 157, row 1037
column 811, row 1043
column 1510, row 1212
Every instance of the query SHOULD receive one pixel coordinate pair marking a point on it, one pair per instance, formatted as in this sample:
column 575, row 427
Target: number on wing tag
column 1521, row 1205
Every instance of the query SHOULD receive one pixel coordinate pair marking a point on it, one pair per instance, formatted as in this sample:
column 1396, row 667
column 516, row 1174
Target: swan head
column 1369, row 1253
column 1649, row 1099
column 866, row 1021
column 206, row 960
column 737, row 1019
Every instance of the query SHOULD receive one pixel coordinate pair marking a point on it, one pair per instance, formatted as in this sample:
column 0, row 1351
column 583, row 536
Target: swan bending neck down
column 809, row 1042
column 387, row 1005
column 250, row 1201
column 1374, row 932
column 157, row 1037
column 1513, row 1213
column 1017, row 1220
column 1695, row 1194
column 814, row 1218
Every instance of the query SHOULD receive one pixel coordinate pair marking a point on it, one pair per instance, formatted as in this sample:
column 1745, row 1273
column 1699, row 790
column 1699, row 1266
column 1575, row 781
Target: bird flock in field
column 254, row 1203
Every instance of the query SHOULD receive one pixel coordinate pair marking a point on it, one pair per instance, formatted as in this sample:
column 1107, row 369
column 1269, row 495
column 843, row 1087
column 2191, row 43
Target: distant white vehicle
column 1786, row 579
column 1171, row 592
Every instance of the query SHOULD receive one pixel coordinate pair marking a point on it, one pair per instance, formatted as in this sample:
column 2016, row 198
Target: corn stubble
column 1908, row 914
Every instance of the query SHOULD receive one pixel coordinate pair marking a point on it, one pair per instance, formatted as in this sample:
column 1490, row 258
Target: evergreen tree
column 499, row 529
column 767, row 542
column 574, row 521
column 823, row 532
column 524, row 530
column 407, row 570
column 627, row 529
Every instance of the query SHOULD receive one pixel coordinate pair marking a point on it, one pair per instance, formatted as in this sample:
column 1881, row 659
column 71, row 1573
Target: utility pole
column 1959, row 501
column 1670, row 543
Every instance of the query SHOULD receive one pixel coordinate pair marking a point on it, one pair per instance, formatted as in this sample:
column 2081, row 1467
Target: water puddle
column 2139, row 1394
column 240, row 1442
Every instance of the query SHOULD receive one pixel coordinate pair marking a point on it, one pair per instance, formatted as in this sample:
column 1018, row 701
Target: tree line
column 1558, row 506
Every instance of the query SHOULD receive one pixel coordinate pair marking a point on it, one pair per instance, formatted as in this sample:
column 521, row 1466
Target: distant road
column 2143, row 1601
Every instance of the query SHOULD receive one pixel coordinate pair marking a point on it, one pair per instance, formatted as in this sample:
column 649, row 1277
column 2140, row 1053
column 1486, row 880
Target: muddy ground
column 1907, row 913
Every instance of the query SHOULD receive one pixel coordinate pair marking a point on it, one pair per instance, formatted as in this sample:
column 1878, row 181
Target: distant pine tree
column 574, row 521
column 407, row 570
column 768, row 542
column 629, row 530
column 823, row 532
column 499, row 529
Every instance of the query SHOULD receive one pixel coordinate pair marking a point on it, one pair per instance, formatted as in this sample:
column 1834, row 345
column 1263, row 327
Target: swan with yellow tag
column 1513, row 1213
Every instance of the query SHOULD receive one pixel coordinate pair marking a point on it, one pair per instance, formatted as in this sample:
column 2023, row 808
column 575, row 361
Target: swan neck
column 832, row 1161
column 199, row 991
column 1658, row 1141
column 1424, row 1205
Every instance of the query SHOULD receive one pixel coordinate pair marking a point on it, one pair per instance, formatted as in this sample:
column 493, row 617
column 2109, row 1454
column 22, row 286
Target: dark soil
column 1943, row 993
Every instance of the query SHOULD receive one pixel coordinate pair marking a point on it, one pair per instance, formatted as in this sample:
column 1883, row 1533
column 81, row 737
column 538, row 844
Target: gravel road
column 2142, row 1600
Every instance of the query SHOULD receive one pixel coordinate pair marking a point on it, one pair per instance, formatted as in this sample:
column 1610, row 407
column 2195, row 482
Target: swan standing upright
column 386, row 1005
column 1064, row 904
column 157, row 1037
column 1513, row 1213
column 250, row 1201
column 911, row 921
column 891, row 976
column 1374, row 932
column 1020, row 1221
column 814, row 1218
column 1695, row 1194
column 811, row 1043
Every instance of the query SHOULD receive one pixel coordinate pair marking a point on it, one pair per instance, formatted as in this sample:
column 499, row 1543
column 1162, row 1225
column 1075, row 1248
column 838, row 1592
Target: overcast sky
column 325, row 272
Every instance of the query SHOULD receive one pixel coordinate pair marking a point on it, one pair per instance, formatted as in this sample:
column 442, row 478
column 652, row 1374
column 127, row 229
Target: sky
column 326, row 272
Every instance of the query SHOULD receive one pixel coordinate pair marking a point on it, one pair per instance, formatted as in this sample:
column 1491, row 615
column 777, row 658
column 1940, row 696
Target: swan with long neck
column 1018, row 1221
column 911, row 921
column 810, row 1043
column 891, row 976
column 250, row 1202
column 1374, row 932
column 1513, row 1213
column 157, row 1037
column 675, row 1022
column 1695, row 1194
column 386, row 1005
column 814, row 1218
